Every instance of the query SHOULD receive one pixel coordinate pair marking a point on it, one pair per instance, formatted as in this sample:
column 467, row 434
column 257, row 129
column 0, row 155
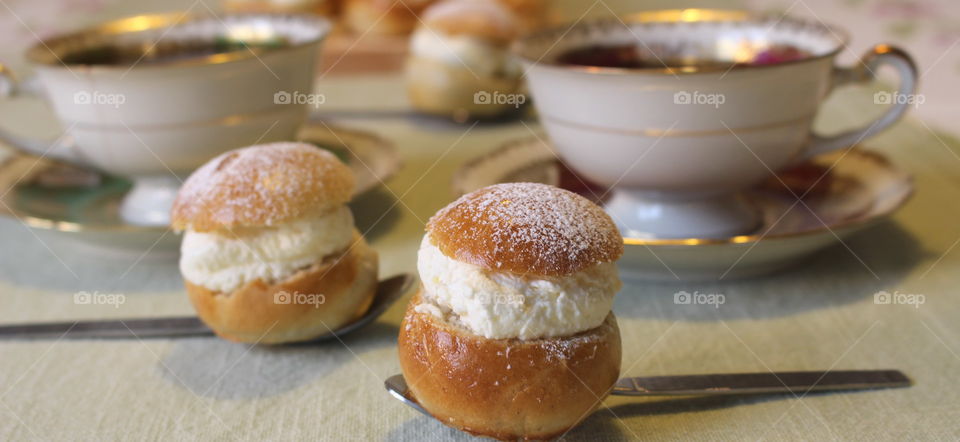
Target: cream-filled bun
column 531, row 14
column 459, row 58
column 270, row 253
column 512, row 335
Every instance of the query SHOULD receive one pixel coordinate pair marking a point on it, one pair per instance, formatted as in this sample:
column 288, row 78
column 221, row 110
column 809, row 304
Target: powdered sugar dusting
column 526, row 228
column 262, row 185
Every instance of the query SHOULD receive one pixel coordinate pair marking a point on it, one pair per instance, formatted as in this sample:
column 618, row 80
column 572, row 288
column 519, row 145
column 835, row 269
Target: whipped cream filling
column 502, row 305
column 227, row 261
column 481, row 57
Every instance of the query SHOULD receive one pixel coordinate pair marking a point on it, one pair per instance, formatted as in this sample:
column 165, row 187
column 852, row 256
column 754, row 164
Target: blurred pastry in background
column 383, row 17
column 459, row 64
column 531, row 14
column 328, row 8
column 270, row 253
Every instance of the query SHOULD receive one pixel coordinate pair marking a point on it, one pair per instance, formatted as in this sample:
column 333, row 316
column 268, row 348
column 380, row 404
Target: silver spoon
column 795, row 382
column 388, row 291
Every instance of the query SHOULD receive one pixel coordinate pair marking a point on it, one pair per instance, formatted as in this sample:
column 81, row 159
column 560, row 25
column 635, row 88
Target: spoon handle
column 388, row 292
column 796, row 382
column 179, row 326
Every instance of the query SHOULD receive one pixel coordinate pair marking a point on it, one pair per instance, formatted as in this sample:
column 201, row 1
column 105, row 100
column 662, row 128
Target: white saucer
column 862, row 187
column 90, row 213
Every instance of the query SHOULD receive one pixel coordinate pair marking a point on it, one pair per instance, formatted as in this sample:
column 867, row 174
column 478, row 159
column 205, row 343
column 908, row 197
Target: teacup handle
column 862, row 73
column 10, row 88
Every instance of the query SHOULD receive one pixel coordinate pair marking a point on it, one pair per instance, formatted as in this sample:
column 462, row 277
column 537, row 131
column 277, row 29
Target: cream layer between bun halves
column 501, row 305
column 227, row 261
column 520, row 261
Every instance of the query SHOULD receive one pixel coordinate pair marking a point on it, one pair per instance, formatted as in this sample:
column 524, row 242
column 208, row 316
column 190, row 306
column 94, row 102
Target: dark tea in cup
column 165, row 51
column 632, row 56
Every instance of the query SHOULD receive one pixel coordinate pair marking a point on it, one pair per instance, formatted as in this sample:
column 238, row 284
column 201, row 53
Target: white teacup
column 151, row 96
column 678, row 143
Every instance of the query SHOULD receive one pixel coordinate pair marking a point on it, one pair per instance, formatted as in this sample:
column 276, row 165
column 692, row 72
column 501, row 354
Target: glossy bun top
column 526, row 228
column 262, row 185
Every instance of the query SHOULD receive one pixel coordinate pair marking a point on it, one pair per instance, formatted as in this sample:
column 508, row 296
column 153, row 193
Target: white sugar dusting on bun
column 262, row 185
column 526, row 228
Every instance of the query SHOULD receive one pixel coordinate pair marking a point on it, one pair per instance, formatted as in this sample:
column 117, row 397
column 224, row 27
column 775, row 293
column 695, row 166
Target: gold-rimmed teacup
column 696, row 117
column 151, row 97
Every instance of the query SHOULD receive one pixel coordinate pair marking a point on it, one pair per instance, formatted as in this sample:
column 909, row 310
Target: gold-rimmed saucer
column 89, row 209
column 859, row 187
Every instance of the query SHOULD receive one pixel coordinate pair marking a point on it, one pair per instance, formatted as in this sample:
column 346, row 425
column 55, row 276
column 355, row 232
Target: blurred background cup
column 152, row 97
column 680, row 110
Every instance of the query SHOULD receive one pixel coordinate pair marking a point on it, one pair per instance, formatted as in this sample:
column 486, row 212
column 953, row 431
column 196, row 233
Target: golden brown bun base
column 507, row 388
column 251, row 314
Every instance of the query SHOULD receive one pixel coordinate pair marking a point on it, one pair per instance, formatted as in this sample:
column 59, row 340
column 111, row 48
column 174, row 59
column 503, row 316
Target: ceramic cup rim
column 45, row 53
column 522, row 48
